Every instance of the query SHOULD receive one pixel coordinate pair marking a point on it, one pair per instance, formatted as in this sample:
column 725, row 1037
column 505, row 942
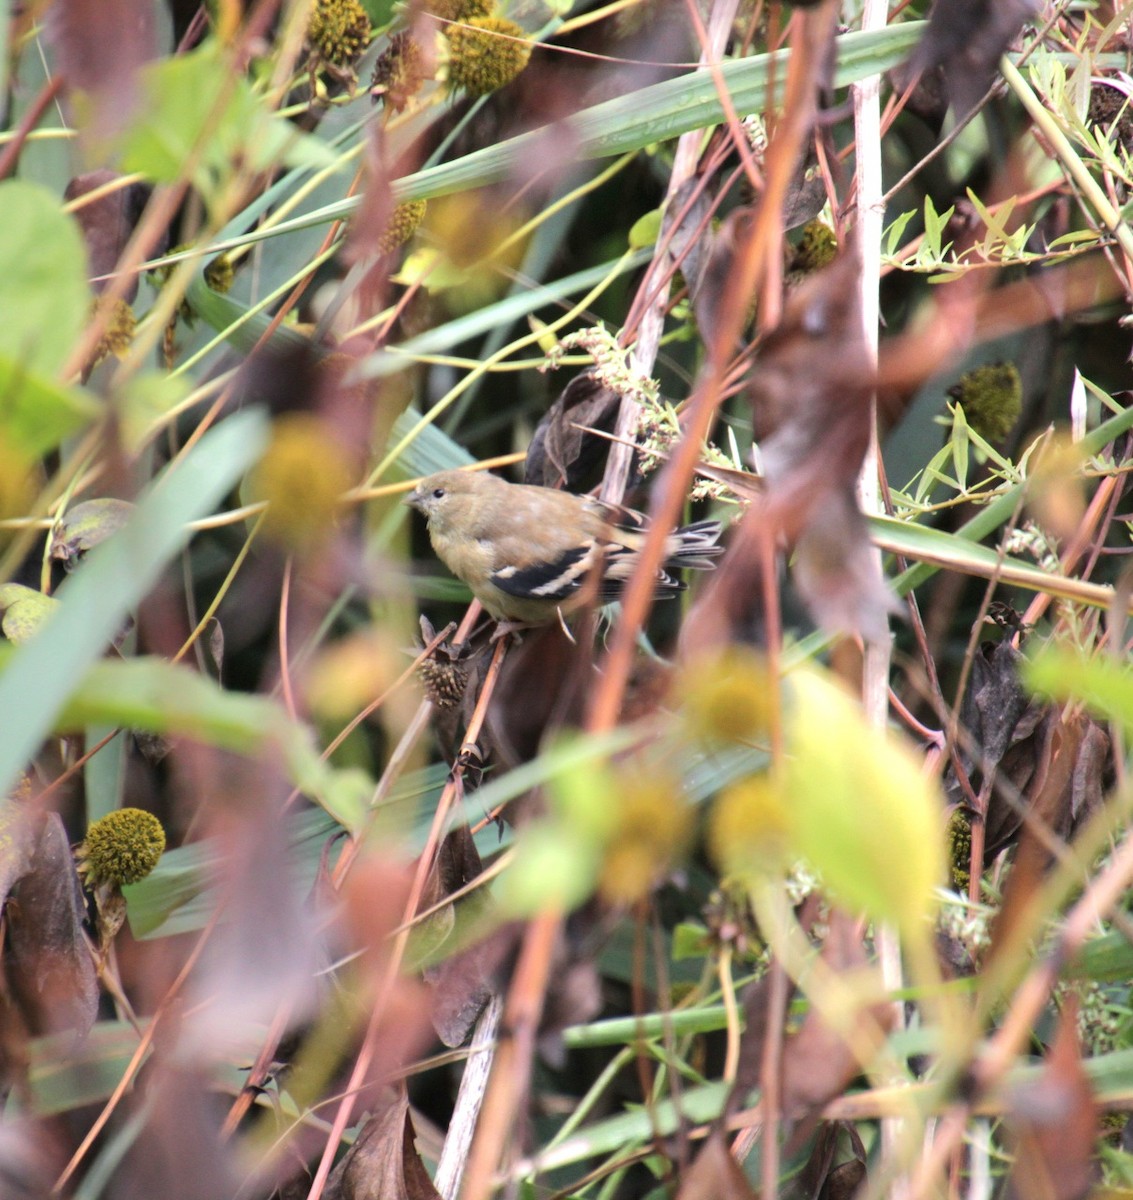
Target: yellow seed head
column 992, row 398
column 120, row 848
column 302, row 476
column 403, row 223
column 485, row 54
column 338, row 31
column 748, row 827
column 653, row 824
column 117, row 335
column 730, row 698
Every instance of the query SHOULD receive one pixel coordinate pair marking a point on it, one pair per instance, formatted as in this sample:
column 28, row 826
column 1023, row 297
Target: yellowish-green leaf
column 861, row 809
column 645, row 230
column 44, row 294
column 201, row 116
column 1104, row 684
column 81, row 528
column 24, row 611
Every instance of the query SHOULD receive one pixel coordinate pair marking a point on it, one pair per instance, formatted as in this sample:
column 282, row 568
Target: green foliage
column 860, row 808
column 226, row 124
column 694, row 850
column 43, row 289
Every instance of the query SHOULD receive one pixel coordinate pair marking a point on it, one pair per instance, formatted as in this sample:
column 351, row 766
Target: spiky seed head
column 485, row 54
column 120, row 848
column 338, row 31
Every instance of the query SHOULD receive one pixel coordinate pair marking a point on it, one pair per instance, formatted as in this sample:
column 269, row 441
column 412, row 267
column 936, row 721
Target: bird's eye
column 438, row 493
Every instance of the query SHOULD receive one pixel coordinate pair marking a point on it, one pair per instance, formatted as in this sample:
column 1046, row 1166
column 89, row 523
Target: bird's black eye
column 438, row 493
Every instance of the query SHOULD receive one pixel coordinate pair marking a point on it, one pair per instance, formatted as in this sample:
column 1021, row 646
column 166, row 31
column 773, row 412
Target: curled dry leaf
column 817, row 1062
column 177, row 1155
column 1068, row 772
column 810, row 390
column 562, row 453
column 49, row 973
column 383, row 1161
column 543, row 687
column 826, row 1178
column 709, row 287
column 1013, row 739
column 461, row 982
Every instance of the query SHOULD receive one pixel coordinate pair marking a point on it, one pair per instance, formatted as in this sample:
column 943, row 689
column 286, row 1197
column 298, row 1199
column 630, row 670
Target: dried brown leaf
column 715, row 1175
column 383, row 1163
column 49, row 972
column 710, row 285
column 1015, row 737
column 810, row 389
column 543, row 686
column 1054, row 1122
column 108, row 224
column 729, row 607
column 29, row 1162
column 463, row 984
column 825, row 1178
column 818, row 1062
column 178, row 1155
column 836, row 570
column 967, row 38
column 562, row 454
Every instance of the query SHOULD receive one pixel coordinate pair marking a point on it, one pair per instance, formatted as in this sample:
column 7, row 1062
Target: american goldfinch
column 526, row 552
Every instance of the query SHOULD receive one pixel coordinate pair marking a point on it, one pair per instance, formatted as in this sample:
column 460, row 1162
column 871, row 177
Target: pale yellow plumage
column 526, row 552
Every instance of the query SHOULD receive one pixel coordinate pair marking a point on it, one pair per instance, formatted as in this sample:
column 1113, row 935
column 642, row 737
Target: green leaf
column 24, row 611
column 645, row 230
column 38, row 679
column 202, row 116
column 38, row 413
column 934, row 224
column 429, row 451
column 44, row 296
column 86, row 525
column 989, row 518
column 66, row 1075
column 895, row 231
column 1103, row 684
column 155, row 696
column 631, row 122
column 176, row 897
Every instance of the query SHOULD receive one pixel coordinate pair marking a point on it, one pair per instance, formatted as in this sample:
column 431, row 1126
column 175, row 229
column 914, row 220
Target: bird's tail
column 695, row 546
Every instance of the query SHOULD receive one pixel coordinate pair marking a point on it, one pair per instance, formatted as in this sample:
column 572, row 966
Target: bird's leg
column 509, row 629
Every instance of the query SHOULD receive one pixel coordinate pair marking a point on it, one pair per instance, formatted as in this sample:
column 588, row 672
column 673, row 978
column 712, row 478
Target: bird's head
column 438, row 497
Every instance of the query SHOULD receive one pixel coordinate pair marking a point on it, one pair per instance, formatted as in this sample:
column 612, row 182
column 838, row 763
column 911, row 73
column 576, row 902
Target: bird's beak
column 414, row 499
